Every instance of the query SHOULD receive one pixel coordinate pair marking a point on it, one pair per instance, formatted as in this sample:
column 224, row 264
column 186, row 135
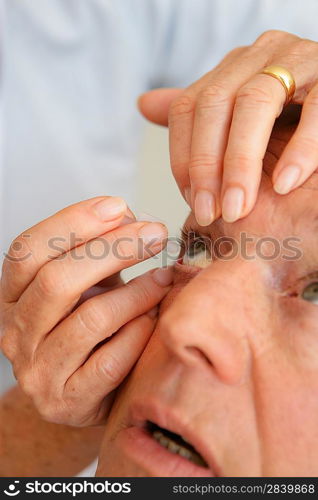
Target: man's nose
column 213, row 319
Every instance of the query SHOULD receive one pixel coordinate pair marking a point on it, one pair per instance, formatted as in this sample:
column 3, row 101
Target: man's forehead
column 312, row 183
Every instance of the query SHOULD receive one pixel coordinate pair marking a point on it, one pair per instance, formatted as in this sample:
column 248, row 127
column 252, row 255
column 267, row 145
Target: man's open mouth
column 175, row 444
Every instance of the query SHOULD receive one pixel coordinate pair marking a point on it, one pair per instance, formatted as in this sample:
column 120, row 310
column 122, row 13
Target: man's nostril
column 197, row 355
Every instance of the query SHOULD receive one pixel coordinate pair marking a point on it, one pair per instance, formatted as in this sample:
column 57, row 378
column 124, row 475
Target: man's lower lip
column 139, row 447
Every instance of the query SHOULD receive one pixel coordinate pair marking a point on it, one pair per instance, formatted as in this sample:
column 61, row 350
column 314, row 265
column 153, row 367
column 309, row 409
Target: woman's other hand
column 72, row 343
column 220, row 126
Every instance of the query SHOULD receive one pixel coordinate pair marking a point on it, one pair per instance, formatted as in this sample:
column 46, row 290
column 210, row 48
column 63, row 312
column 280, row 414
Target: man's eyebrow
column 310, row 276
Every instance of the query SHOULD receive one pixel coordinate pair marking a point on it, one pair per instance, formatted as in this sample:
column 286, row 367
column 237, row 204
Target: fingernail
column 110, row 208
column 153, row 313
column 233, row 202
column 152, row 233
column 187, row 195
column 163, row 276
column 204, row 207
column 287, row 179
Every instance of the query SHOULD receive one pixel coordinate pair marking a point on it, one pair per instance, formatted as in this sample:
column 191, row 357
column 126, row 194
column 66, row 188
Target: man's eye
column 197, row 253
column 310, row 293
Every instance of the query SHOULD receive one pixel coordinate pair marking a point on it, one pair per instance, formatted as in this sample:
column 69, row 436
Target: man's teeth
column 177, row 448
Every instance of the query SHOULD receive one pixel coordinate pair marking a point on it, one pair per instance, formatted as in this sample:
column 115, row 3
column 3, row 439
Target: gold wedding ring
column 285, row 77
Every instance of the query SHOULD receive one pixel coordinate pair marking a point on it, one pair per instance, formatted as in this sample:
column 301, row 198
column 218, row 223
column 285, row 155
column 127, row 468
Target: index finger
column 67, row 229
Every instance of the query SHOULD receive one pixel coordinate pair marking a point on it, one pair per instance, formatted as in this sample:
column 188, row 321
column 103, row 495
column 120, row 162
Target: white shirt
column 72, row 72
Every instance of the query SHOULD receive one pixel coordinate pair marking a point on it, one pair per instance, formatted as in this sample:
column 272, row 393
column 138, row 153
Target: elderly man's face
column 233, row 364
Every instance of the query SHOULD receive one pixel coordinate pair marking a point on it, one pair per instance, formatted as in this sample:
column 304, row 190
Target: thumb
column 154, row 105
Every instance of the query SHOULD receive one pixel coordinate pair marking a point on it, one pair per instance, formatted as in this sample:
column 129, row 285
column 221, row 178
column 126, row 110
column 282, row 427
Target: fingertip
column 287, row 179
column 204, row 207
column 153, row 233
column 163, row 276
column 154, row 104
column 109, row 208
column 233, row 204
column 139, row 101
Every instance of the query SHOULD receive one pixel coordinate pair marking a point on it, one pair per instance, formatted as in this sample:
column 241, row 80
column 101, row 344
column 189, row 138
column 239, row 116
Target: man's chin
column 113, row 462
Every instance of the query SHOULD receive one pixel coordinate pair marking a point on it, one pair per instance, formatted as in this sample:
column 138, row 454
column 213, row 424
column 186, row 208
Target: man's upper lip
column 142, row 411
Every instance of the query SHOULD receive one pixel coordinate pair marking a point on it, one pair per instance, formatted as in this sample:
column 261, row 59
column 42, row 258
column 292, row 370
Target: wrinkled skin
column 233, row 361
column 220, row 125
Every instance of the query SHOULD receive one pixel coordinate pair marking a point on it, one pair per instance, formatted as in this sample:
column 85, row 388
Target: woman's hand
column 220, row 126
column 71, row 348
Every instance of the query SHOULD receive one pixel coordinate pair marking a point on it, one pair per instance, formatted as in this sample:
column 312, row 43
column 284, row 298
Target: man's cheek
column 170, row 297
column 182, row 276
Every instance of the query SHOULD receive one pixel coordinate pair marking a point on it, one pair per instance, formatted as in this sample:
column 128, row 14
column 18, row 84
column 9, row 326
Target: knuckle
column 19, row 246
column 237, row 51
column 52, row 282
column 27, row 382
column 52, row 410
column 204, row 161
column 47, row 282
column 183, row 105
column 307, row 143
column 250, row 95
column 312, row 99
column 8, row 346
column 9, row 337
column 19, row 255
column 254, row 50
column 139, row 291
column 112, row 311
column 110, row 370
column 211, row 97
column 178, row 167
column 242, row 161
column 269, row 36
column 303, row 46
column 92, row 317
column 47, row 400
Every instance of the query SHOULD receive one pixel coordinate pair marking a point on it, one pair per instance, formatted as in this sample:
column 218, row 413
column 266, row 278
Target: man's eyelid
column 189, row 230
column 306, row 279
column 311, row 276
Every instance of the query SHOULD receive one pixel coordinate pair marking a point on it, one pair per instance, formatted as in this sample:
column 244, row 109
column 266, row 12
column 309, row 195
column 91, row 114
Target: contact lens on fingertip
column 145, row 217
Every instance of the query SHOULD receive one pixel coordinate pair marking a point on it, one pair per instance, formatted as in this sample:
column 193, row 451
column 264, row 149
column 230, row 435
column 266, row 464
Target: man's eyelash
column 189, row 235
column 191, row 240
column 184, row 234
